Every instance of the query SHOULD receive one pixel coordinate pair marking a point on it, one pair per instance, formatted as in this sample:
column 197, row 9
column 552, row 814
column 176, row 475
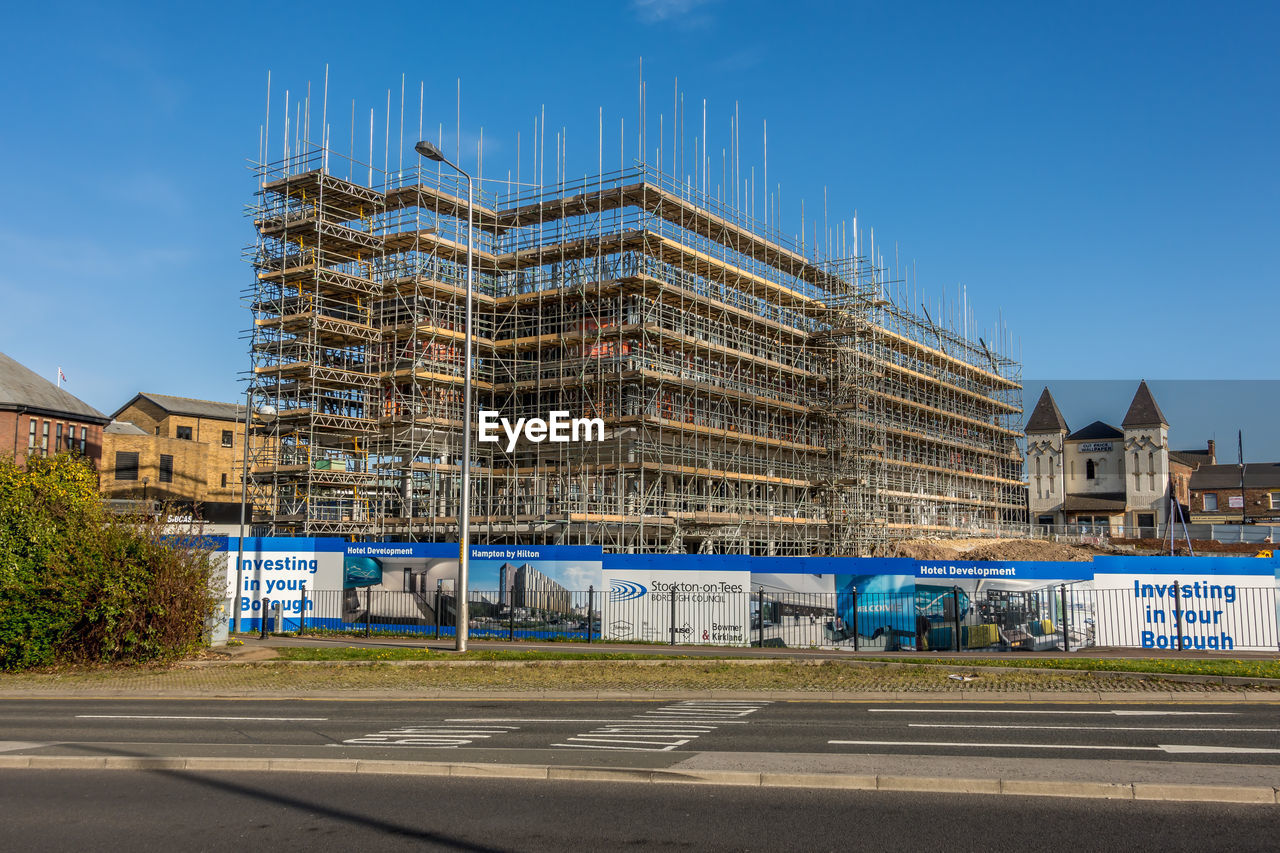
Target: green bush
column 79, row 584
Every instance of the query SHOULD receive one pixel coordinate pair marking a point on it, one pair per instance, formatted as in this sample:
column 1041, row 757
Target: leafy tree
column 79, row 584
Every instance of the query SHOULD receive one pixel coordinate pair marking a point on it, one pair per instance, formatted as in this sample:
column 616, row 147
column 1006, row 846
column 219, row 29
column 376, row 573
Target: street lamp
column 266, row 414
column 431, row 152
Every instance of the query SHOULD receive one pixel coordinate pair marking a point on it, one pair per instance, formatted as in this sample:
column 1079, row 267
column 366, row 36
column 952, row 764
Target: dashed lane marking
column 176, row 717
column 1114, row 712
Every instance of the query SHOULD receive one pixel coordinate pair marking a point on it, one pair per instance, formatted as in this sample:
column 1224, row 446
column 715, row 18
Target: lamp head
column 266, row 413
column 429, row 150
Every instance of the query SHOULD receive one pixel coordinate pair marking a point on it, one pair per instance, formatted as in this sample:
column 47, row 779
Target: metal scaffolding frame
column 755, row 399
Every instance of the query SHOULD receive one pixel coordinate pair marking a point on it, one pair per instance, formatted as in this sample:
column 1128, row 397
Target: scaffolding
column 755, row 400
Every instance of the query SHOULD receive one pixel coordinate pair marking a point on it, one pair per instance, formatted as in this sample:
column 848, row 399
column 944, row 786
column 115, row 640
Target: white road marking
column 428, row 737
column 1180, row 749
column 1117, row 713
column 175, row 717
column 1083, row 728
column 663, row 729
column 14, row 745
column 1177, row 749
column 1007, row 745
column 578, row 720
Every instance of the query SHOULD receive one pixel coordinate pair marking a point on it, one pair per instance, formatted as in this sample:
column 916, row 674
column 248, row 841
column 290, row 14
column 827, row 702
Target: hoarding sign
column 709, row 607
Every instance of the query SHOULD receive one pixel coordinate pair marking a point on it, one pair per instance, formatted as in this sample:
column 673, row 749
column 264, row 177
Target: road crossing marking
column 429, row 737
column 664, row 729
column 1114, row 712
column 176, row 717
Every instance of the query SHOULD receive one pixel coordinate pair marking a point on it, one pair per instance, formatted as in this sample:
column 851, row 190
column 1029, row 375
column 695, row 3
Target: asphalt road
column 650, row 734
column 106, row 810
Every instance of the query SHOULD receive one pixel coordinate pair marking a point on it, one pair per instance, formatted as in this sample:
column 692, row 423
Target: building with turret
column 1118, row 481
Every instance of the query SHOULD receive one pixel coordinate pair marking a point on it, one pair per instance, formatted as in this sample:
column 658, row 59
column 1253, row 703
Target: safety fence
column 1062, row 617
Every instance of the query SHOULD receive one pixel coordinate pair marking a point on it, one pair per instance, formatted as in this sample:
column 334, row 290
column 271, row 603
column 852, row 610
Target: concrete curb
column 965, row 695
column 1254, row 795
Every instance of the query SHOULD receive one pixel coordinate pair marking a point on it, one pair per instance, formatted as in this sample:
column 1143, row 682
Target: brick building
column 36, row 416
column 1217, row 496
column 1105, row 479
column 177, row 450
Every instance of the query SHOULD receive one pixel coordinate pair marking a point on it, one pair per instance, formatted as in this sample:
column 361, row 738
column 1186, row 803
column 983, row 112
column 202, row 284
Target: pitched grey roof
column 123, row 428
column 1046, row 417
column 1143, row 411
column 1096, row 431
column 1190, row 458
column 23, row 388
column 190, row 407
column 1257, row 475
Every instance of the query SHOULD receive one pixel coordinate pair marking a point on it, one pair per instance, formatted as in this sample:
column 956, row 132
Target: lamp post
column 266, row 414
column 431, row 152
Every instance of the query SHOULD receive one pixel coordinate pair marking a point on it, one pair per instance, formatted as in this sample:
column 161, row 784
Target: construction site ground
column 1043, row 549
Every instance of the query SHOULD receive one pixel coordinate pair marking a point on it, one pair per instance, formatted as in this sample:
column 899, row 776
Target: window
column 224, row 481
column 126, row 465
column 84, row 439
column 57, row 441
column 1275, row 500
column 1090, row 470
column 1146, row 519
column 227, row 438
column 44, row 438
column 184, row 432
column 31, row 437
column 166, row 468
column 1045, row 520
column 1211, row 502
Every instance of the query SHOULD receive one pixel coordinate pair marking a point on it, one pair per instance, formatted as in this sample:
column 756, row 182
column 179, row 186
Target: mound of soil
column 987, row 549
column 919, row 549
column 1029, row 549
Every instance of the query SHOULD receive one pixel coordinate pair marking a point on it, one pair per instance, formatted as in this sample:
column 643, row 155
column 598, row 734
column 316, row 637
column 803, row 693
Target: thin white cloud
column 678, row 11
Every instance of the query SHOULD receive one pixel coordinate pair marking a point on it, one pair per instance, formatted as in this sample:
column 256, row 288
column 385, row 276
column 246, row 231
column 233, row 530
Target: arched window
column 1037, row 466
column 1090, row 470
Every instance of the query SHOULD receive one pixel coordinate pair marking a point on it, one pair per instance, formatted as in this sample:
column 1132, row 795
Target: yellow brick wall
column 205, row 467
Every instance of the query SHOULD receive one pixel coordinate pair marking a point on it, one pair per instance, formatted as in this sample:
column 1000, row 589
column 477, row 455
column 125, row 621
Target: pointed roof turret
column 1143, row 411
column 1046, row 417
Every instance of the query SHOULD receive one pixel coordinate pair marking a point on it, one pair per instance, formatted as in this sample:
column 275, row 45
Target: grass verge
column 413, row 679
column 401, row 654
column 1229, row 668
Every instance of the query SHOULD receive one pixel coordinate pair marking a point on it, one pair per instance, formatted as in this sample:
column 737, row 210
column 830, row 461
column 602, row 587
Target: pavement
column 234, row 811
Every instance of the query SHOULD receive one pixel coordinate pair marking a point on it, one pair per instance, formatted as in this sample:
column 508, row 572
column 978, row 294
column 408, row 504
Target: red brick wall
column 1257, row 503
column 15, row 435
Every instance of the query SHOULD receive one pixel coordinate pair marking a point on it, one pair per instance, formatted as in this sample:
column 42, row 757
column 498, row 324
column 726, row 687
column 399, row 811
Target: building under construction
column 756, row 400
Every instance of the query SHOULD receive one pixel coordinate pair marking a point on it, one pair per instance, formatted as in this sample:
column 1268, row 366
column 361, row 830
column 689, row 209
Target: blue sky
column 1102, row 177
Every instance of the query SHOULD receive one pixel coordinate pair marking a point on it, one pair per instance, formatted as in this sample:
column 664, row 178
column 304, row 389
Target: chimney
column 1213, row 452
